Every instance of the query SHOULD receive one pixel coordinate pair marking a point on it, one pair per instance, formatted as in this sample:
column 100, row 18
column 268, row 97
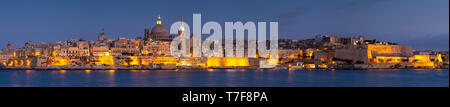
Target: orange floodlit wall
column 385, row 49
column 232, row 62
column 28, row 63
column 425, row 64
column 383, row 59
column 422, row 61
column 133, row 60
column 105, row 60
column 145, row 62
column 390, row 49
column 227, row 62
column 439, row 57
column 214, row 62
column 59, row 61
column 369, row 54
column 165, row 60
column 420, row 58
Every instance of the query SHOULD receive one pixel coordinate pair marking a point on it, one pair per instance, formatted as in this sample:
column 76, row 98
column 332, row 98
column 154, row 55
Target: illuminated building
column 374, row 53
column 325, row 41
column 72, row 51
column 125, row 47
column 6, row 53
column 322, row 55
column 288, row 53
column 100, row 51
column 157, row 49
column 390, row 50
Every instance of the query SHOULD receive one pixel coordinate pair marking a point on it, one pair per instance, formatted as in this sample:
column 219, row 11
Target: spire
column 159, row 20
column 182, row 24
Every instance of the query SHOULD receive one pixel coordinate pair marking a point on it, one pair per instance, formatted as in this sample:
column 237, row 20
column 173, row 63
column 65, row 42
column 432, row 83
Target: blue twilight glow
column 423, row 24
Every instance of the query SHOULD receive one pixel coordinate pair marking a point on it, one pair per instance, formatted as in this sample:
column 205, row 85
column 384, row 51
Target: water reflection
column 291, row 77
column 87, row 72
column 111, row 79
column 225, row 78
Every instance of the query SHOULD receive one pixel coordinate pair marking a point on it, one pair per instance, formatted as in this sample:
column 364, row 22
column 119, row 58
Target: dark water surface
column 225, row 78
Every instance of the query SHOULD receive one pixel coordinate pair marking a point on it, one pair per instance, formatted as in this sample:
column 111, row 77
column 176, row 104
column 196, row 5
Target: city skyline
column 421, row 24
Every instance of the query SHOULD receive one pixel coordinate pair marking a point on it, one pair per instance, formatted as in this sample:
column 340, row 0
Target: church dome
column 159, row 29
column 159, row 32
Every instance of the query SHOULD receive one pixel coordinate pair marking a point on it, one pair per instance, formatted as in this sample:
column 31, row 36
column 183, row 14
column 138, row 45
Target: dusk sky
column 423, row 24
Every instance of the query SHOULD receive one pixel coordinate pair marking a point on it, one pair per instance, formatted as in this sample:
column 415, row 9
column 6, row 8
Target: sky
column 423, row 24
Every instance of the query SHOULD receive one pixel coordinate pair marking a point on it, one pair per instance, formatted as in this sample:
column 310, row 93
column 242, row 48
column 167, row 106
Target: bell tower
column 146, row 34
column 101, row 36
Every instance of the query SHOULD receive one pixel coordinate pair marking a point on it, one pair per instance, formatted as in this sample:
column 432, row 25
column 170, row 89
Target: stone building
column 374, row 53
